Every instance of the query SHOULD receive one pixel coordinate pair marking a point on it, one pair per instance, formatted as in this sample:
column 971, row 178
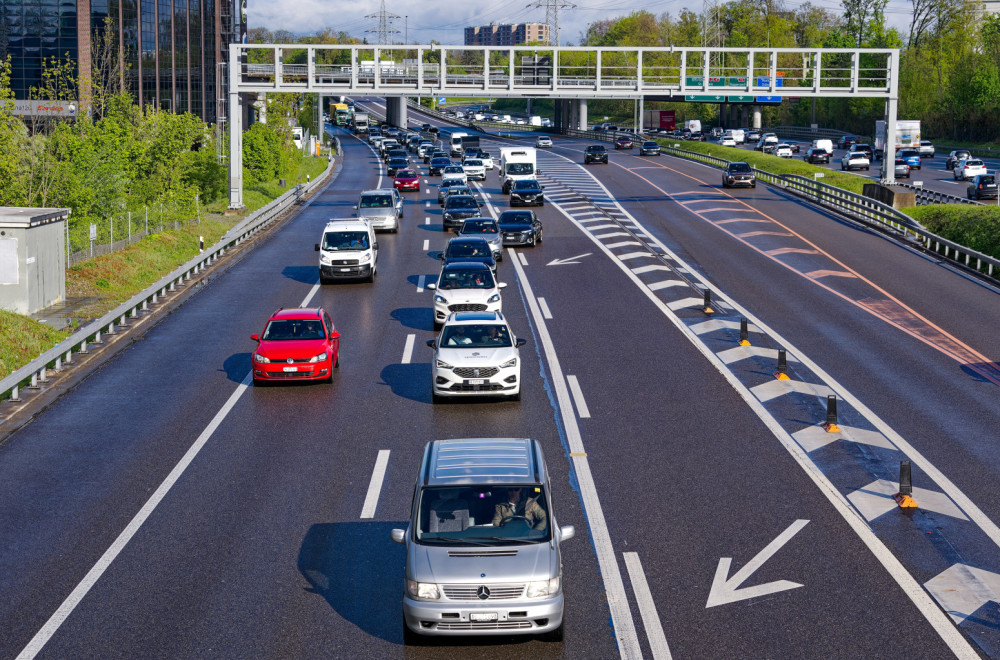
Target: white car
column 486, row 158
column 543, row 141
column 968, row 168
column 454, row 172
column 727, row 140
column 783, row 151
column 474, row 169
column 476, row 354
column 465, row 286
column 855, row 161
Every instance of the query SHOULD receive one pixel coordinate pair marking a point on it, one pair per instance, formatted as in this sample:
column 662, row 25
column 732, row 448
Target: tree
column 863, row 18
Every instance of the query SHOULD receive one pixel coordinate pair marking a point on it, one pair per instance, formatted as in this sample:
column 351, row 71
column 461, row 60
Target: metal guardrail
column 36, row 372
column 866, row 210
column 925, row 197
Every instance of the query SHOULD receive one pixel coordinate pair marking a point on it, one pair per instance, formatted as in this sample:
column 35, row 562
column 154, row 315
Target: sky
column 445, row 22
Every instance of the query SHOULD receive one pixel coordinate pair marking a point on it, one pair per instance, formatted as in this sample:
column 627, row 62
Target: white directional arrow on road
column 726, row 591
column 567, row 260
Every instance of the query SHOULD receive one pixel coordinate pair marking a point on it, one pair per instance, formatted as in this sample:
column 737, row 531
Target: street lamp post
column 406, row 29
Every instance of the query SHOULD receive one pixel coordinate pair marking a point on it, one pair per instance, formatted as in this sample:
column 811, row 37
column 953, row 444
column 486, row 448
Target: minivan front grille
column 471, row 591
column 484, row 625
column 344, row 262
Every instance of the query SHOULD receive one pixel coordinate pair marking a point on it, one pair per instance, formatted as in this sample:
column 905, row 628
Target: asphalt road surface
column 164, row 508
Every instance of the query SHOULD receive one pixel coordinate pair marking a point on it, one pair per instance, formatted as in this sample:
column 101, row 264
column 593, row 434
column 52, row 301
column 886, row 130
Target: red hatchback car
column 623, row 143
column 406, row 180
column 297, row 344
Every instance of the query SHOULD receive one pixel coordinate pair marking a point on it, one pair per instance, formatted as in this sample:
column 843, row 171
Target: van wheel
column 411, row 638
column 556, row 635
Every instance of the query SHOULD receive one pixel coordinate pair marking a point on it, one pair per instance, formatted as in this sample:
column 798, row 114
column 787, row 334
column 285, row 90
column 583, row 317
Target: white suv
column 465, row 286
column 474, row 169
column 968, row 168
column 476, row 354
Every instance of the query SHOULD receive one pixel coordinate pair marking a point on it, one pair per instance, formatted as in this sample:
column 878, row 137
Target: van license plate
column 286, row 369
column 476, row 381
column 345, row 270
column 483, row 616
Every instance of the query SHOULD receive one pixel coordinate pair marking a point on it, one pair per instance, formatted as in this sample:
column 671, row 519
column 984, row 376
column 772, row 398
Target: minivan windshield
column 346, row 240
column 482, row 515
column 520, row 168
column 376, row 201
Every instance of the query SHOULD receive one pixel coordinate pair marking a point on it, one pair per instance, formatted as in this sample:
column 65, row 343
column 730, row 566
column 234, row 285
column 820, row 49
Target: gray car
column 483, row 545
column 486, row 228
column 382, row 207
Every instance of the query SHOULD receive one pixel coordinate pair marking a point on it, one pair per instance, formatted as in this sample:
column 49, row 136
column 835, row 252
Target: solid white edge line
column 375, row 486
column 935, row 616
column 621, row 614
column 647, row 607
column 581, row 404
column 545, row 309
column 408, row 349
column 94, row 574
column 421, row 281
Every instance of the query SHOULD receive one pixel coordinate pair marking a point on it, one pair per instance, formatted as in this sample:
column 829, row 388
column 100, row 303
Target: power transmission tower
column 552, row 8
column 384, row 29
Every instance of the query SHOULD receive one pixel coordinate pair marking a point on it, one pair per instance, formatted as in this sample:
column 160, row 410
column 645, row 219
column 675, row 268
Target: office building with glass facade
column 169, row 50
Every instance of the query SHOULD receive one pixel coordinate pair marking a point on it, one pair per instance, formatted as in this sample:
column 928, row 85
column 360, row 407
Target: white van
column 516, row 163
column 456, row 144
column 347, row 250
column 826, row 145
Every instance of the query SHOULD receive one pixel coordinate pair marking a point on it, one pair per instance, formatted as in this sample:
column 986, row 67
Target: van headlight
column 494, row 298
column 543, row 588
column 423, row 590
column 365, row 258
column 325, row 258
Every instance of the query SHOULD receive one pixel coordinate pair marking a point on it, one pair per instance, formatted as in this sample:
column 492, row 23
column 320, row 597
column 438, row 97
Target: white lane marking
column 581, row 403
column 647, row 607
column 408, row 349
column 727, row 589
column 94, row 574
column 309, row 296
column 427, row 204
column 913, row 590
column 421, row 281
column 427, row 244
column 375, row 486
column 427, row 221
column 621, row 611
column 545, row 309
column 520, row 255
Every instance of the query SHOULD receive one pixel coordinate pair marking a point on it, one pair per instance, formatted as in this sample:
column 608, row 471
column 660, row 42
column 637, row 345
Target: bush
column 975, row 227
column 261, row 153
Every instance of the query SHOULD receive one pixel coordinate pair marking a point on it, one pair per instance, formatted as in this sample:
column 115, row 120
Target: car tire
column 435, row 399
column 411, row 638
column 323, row 280
column 500, row 257
column 517, row 397
column 539, row 235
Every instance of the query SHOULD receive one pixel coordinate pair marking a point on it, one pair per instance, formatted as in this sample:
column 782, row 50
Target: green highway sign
column 741, row 99
column 706, row 99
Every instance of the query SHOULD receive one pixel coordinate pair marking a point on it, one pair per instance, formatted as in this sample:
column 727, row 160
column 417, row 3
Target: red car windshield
column 293, row 329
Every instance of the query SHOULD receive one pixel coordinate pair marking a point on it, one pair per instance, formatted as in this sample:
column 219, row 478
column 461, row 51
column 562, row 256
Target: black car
column 396, row 164
column 595, row 153
column 817, row 156
column 436, row 153
column 438, row 164
column 459, row 207
column 446, row 186
column 866, row 149
column 527, row 192
column 846, row 141
column 982, row 186
column 649, row 148
column 739, row 174
column 520, row 228
column 469, row 249
column 955, row 156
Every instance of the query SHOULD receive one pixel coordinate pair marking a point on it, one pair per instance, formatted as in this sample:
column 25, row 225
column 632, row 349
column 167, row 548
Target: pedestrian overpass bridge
column 570, row 75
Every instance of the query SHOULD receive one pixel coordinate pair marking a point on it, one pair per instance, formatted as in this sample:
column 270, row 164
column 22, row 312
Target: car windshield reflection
column 483, row 515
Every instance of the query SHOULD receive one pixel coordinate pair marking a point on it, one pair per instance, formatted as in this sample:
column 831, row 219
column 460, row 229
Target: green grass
column 22, row 340
column 116, row 277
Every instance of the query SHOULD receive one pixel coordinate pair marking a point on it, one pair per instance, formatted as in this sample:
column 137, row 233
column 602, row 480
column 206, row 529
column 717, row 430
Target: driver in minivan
column 518, row 507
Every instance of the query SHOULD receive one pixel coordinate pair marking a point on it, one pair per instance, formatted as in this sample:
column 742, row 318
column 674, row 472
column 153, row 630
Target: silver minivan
column 482, row 546
column 382, row 208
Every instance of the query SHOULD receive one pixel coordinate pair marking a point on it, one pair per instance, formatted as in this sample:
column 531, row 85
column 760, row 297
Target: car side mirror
column 399, row 535
column 479, row 202
column 439, row 255
column 520, row 342
column 255, row 337
column 317, row 247
column 355, row 208
column 542, row 187
column 376, row 245
column 432, row 343
column 501, row 285
column 431, row 286
column 334, row 335
column 566, row 532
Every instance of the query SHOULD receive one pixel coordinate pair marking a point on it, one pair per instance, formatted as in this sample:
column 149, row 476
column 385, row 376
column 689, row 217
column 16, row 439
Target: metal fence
column 38, row 371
